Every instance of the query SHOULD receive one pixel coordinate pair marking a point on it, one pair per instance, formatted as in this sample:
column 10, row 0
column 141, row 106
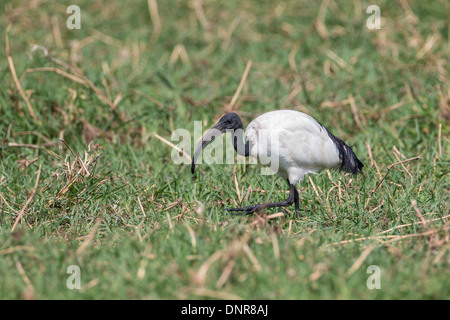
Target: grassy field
column 86, row 171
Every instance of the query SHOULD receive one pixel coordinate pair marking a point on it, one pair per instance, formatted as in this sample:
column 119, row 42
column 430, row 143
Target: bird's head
column 228, row 122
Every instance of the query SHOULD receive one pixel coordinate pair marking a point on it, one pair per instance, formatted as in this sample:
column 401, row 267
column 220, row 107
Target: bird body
column 292, row 142
column 296, row 140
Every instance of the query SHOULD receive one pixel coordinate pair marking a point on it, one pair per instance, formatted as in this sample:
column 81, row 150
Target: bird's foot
column 245, row 210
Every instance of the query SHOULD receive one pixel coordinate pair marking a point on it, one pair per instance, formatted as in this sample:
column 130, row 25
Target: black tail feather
column 349, row 160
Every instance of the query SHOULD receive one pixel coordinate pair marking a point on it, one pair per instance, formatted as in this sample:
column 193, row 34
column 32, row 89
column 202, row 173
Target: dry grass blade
column 78, row 170
column 55, row 70
column 67, row 186
column 352, row 103
column 392, row 107
column 57, row 31
column 88, row 238
column 229, row 33
column 183, row 211
column 99, row 93
column 225, row 274
column 275, row 247
column 339, row 61
column 235, row 249
column 28, row 293
column 391, row 238
column 372, row 160
column 251, row 256
column 32, row 146
column 320, row 20
column 413, row 223
column 169, row 221
column 397, row 153
column 16, row 249
column 236, row 185
column 419, row 214
column 188, row 157
column 315, row 189
column 156, row 20
column 174, row 204
column 384, row 177
column 179, row 52
column 358, row 262
column 429, row 44
column 200, row 276
column 14, row 75
column 20, row 214
column 5, row 202
column 415, row 235
column 440, row 140
column 79, row 77
column 192, row 235
column 25, row 163
column 201, row 17
column 229, row 107
column 275, row 215
column 140, row 206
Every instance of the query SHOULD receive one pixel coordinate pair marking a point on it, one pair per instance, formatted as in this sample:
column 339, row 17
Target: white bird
column 295, row 144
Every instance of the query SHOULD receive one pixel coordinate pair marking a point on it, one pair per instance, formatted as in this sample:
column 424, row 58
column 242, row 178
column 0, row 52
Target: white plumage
column 296, row 139
column 293, row 143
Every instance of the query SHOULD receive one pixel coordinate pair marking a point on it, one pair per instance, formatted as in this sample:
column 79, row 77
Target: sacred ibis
column 297, row 142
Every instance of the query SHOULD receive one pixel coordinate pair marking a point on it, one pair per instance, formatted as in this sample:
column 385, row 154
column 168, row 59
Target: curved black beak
column 210, row 135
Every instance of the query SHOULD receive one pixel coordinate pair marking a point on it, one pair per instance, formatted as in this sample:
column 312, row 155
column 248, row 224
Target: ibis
column 299, row 144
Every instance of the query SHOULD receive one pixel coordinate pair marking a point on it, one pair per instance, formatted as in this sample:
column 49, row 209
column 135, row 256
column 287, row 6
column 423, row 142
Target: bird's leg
column 296, row 201
column 257, row 207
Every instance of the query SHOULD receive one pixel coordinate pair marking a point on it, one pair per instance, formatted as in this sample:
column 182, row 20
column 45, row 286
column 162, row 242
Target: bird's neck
column 238, row 143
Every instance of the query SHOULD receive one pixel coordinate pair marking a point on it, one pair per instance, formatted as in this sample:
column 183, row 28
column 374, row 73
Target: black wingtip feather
column 350, row 162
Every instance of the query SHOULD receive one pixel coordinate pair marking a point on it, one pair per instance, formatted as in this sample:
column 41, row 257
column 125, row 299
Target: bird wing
column 296, row 140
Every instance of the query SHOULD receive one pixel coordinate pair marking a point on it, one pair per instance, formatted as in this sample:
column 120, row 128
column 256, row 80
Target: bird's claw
column 244, row 210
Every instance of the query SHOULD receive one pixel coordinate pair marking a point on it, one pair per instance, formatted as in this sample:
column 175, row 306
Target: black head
column 230, row 121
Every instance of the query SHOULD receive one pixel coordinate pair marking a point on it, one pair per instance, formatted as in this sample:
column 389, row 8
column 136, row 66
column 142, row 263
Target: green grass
column 139, row 226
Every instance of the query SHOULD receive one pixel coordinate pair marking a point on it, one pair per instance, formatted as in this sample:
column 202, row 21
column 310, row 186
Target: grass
column 85, row 179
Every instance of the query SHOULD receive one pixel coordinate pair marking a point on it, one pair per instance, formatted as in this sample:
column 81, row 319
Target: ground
column 93, row 206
